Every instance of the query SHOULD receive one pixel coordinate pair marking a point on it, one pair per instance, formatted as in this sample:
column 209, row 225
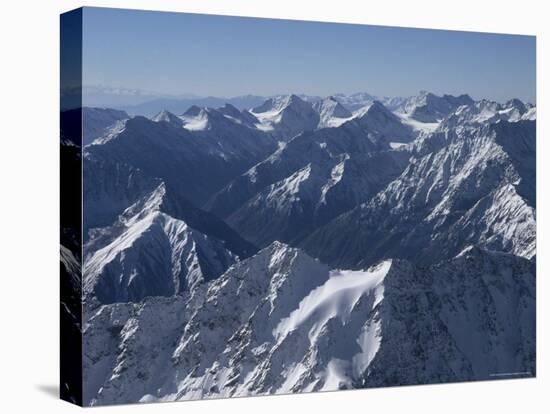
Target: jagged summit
column 193, row 110
column 331, row 112
column 516, row 103
column 487, row 111
column 307, row 244
column 355, row 101
column 281, row 103
column 150, row 253
column 166, row 116
column 229, row 109
column 286, row 116
column 241, row 117
column 297, row 326
column 385, row 125
column 428, row 107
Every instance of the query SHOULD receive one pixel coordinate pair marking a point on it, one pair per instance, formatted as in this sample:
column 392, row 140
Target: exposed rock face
column 282, row 322
column 463, row 186
column 306, row 244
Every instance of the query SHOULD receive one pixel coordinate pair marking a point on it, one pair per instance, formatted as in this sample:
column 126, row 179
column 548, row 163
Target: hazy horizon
column 190, row 95
column 210, row 55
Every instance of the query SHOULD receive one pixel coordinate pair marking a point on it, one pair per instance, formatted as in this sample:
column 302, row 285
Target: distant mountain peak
column 193, row 110
column 167, row 116
column 377, row 218
column 376, row 107
column 229, row 107
column 286, row 116
column 429, row 108
column 279, row 103
column 331, row 112
column 516, row 103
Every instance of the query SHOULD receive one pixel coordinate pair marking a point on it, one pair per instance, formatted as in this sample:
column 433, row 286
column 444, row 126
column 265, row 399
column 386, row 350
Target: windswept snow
column 281, row 322
column 196, row 123
column 336, row 298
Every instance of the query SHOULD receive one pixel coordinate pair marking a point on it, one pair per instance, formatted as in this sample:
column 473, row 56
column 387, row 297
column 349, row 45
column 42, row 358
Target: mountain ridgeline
column 305, row 243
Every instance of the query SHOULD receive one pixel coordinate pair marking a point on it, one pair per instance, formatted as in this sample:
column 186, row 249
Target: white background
column 29, row 194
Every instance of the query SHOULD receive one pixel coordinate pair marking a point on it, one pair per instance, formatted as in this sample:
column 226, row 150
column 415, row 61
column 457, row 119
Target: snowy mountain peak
column 294, row 98
column 271, row 104
column 281, row 102
column 235, row 115
column 282, row 258
column 331, row 112
column 146, row 205
column 95, row 124
column 428, row 107
column 486, row 111
column 530, row 115
column 166, row 116
column 286, row 116
column 148, row 252
column 193, row 110
column 377, row 106
column 355, row 101
column 196, row 119
column 384, row 125
column 517, row 104
column 278, row 274
column 230, row 110
column 318, row 256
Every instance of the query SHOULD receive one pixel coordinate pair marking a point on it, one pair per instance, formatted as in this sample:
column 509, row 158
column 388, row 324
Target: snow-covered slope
column 324, row 147
column 200, row 119
column 196, row 119
column 462, row 186
column 353, row 102
column 82, row 126
column 428, row 107
column 110, row 189
column 397, row 247
column 281, row 322
column 383, row 125
column 243, row 117
column 178, row 156
column 169, row 117
column 290, row 209
column 314, row 177
column 286, row 116
column 474, row 319
column 331, row 112
column 530, row 115
column 232, row 133
column 101, row 122
column 150, row 253
column 490, row 111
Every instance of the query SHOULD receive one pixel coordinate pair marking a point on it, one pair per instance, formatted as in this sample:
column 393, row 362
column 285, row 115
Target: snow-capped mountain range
column 282, row 322
column 305, row 243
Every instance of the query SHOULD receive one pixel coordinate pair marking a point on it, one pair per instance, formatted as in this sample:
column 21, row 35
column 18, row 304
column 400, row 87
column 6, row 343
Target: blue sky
column 176, row 53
